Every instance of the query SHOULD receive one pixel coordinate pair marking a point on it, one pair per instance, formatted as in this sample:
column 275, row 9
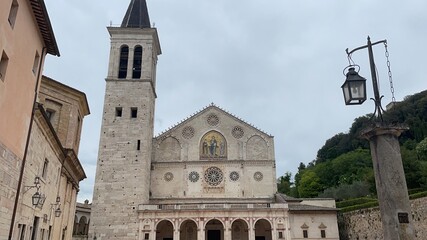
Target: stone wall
column 366, row 223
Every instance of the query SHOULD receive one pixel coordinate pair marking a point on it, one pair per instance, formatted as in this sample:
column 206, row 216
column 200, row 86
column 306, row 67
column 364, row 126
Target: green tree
column 284, row 184
column 421, row 150
column 310, row 184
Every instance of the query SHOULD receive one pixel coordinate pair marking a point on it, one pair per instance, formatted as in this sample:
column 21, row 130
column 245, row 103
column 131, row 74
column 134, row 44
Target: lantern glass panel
column 36, row 198
column 357, row 90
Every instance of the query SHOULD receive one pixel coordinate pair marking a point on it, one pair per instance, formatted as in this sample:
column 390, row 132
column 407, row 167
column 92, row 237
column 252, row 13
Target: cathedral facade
column 212, row 176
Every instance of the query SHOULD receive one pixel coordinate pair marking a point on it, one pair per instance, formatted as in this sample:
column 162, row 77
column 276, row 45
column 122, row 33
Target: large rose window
column 213, row 176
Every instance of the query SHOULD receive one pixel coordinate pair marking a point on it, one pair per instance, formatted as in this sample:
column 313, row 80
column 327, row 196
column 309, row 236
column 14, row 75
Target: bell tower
column 122, row 179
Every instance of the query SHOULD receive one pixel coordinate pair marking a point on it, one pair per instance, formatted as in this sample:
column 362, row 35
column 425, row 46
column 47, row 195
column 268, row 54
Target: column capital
column 377, row 129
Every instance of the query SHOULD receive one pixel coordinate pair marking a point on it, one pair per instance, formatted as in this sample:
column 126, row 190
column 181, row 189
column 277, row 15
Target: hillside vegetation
column 343, row 166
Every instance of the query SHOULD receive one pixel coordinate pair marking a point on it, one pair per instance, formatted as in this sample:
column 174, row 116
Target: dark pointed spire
column 137, row 15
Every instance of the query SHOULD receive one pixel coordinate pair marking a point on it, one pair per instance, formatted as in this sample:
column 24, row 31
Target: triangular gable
column 201, row 112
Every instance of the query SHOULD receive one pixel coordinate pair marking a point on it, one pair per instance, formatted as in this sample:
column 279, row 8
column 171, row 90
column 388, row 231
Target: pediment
column 213, row 134
column 211, row 117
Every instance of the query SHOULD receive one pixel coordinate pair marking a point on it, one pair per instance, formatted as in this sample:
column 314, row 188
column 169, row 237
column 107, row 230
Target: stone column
column 274, row 230
column 390, row 181
column 153, row 234
column 130, row 62
column 227, row 230
column 251, row 229
column 201, row 231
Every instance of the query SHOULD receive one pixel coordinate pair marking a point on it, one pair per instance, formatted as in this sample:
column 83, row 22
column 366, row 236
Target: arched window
column 123, row 65
column 137, row 63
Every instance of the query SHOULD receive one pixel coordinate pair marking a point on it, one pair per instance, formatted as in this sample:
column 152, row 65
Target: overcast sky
column 275, row 63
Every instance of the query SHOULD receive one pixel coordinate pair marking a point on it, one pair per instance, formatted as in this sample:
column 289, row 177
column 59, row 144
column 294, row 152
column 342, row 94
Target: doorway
column 214, row 234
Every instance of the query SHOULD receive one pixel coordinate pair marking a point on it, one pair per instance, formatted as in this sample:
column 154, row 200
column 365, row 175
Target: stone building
column 212, row 176
column 82, row 220
column 53, row 171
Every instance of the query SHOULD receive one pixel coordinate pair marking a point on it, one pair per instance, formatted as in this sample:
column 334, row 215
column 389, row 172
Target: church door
column 214, row 235
column 260, row 238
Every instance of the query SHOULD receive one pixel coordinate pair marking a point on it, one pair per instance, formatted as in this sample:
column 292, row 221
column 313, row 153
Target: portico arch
column 239, row 230
column 263, row 230
column 214, row 230
column 188, row 230
column 164, row 230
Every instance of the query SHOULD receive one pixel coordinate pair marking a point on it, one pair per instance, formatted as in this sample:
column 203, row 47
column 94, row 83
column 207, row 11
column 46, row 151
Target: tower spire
column 137, row 15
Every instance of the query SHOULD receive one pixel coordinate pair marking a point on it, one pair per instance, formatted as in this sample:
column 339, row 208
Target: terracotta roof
column 137, row 15
column 42, row 17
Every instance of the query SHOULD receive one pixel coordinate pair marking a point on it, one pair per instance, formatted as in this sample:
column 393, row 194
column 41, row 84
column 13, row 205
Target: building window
column 3, row 65
column 147, row 236
column 36, row 62
column 45, row 165
column 137, row 63
column 323, row 233
column 138, row 145
column 133, row 112
column 53, row 112
column 118, row 111
column 305, row 233
column 21, row 231
column 13, row 13
column 280, row 234
column 49, row 114
column 123, row 64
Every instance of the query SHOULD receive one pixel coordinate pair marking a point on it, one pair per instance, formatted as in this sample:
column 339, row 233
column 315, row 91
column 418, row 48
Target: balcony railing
column 211, row 206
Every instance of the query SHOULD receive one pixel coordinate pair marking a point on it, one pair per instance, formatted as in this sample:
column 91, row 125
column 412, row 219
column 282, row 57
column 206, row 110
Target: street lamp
column 354, row 88
column 37, row 198
column 390, row 179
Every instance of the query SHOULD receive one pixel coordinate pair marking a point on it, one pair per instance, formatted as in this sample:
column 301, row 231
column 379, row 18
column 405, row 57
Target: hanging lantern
column 36, row 198
column 354, row 88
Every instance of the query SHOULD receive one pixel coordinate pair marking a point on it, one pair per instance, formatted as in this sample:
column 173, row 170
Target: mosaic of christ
column 213, row 145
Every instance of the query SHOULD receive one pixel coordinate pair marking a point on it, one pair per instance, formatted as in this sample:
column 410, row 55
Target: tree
column 284, row 184
column 421, row 150
column 310, row 184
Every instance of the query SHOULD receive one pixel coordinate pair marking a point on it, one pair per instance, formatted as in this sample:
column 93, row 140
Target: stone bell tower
column 123, row 170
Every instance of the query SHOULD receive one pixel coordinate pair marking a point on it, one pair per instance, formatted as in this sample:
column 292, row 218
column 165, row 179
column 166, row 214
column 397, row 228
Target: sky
column 277, row 64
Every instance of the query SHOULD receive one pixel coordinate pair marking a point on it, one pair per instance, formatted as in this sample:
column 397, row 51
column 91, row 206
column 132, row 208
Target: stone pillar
column 201, row 231
column 287, row 227
column 274, row 230
column 153, row 234
column 390, row 181
column 130, row 62
column 227, row 230
column 251, row 229
column 176, row 233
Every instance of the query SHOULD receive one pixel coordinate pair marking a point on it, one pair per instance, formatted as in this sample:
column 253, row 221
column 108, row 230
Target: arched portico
column 263, row 230
column 164, row 230
column 188, row 230
column 239, row 230
column 214, row 230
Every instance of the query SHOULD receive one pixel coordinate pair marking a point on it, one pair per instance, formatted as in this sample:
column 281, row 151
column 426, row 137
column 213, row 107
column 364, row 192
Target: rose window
column 234, row 176
column 213, row 176
column 193, row 176
column 188, row 132
column 258, row 176
column 213, row 120
column 237, row 132
column 168, row 176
